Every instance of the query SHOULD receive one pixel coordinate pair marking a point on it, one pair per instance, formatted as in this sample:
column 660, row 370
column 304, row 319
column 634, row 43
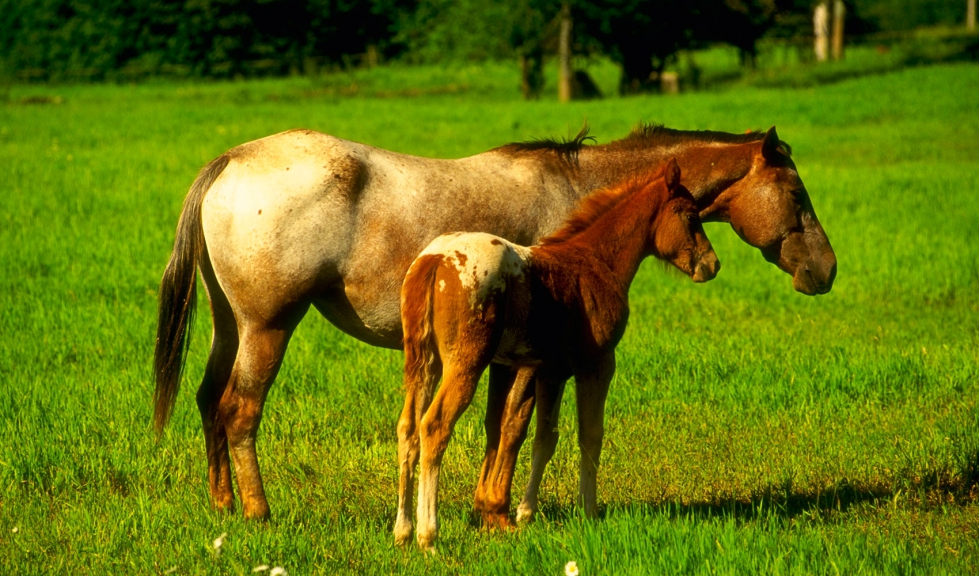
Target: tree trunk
column 820, row 28
column 839, row 14
column 565, row 77
column 970, row 15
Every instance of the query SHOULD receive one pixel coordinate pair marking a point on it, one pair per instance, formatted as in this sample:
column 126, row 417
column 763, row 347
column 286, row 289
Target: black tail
column 178, row 295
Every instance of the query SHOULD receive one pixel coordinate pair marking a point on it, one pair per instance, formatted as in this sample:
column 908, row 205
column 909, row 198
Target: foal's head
column 677, row 235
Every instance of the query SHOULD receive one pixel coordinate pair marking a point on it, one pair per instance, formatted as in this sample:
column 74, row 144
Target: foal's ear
column 769, row 146
column 671, row 174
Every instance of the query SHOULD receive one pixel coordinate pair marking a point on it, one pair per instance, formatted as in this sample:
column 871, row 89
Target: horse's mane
column 646, row 134
column 565, row 149
column 599, row 203
column 643, row 135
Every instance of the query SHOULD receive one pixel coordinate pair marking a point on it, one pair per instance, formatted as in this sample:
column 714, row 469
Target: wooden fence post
column 970, row 15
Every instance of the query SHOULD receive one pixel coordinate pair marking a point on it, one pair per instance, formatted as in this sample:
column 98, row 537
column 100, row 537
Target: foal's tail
column 178, row 295
column 420, row 346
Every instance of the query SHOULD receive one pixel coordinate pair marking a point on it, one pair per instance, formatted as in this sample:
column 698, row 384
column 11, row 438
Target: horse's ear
column 769, row 146
column 672, row 175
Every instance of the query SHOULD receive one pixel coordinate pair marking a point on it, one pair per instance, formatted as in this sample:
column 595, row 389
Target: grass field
column 750, row 428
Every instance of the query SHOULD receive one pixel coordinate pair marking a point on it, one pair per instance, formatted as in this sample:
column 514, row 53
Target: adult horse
column 302, row 218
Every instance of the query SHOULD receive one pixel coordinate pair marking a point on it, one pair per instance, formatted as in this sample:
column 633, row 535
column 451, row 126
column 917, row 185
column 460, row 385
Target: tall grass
column 750, row 429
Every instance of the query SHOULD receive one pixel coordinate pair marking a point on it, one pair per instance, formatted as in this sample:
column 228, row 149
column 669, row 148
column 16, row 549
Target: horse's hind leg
column 456, row 393
column 512, row 422
column 418, row 396
column 224, row 348
column 500, row 382
column 260, row 353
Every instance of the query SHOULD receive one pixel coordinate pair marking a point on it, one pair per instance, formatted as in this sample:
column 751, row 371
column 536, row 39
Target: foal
column 560, row 306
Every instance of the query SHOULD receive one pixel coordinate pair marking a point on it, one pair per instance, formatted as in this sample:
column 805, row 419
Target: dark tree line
column 99, row 39
column 218, row 38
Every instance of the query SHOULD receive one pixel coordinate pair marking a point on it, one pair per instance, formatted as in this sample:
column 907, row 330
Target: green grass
column 750, row 428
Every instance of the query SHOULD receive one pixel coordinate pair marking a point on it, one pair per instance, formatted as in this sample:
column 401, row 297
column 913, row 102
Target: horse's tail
column 178, row 295
column 421, row 348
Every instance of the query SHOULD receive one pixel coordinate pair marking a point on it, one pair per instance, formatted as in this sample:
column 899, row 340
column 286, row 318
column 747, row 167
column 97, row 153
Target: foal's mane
column 645, row 134
column 599, row 203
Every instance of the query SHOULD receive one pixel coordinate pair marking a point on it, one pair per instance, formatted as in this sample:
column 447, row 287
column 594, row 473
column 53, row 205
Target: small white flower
column 15, row 530
column 219, row 541
column 261, row 568
column 571, row 568
column 278, row 571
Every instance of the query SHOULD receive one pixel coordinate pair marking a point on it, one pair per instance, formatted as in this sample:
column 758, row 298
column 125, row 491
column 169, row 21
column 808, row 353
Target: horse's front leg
column 496, row 479
column 592, row 381
column 549, row 394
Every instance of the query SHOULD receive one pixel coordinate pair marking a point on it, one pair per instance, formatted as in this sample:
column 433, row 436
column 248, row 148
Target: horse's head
column 770, row 209
column 678, row 235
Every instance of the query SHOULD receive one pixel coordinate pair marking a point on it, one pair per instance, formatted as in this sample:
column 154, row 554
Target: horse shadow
column 943, row 486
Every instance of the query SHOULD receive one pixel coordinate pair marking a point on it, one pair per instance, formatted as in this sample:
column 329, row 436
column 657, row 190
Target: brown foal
column 559, row 307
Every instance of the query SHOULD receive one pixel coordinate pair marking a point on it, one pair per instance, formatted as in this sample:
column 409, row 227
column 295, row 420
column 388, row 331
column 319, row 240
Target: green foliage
column 473, row 30
column 86, row 39
column 894, row 15
column 750, row 429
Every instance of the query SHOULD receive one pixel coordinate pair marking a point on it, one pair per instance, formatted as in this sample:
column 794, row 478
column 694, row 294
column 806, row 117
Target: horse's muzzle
column 707, row 267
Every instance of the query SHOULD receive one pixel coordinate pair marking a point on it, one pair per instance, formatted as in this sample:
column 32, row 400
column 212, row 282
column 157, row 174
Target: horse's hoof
column 426, row 541
column 525, row 514
column 402, row 534
column 497, row 521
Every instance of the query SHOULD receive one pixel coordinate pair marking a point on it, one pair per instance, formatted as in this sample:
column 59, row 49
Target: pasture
column 749, row 428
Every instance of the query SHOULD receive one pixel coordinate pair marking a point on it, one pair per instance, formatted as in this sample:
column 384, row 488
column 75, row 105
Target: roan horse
column 302, row 218
column 561, row 305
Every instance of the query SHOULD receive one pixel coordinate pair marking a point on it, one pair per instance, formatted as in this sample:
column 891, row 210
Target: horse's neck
column 706, row 168
column 616, row 242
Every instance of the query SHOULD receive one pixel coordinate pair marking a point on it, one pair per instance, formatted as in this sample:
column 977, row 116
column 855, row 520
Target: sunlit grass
column 750, row 429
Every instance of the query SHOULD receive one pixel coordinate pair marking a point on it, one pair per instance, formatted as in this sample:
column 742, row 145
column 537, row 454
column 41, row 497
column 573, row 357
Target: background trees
column 99, row 39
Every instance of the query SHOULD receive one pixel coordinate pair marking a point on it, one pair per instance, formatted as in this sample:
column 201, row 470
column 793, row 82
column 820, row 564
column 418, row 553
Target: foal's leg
column 549, row 394
column 418, row 397
column 260, row 353
column 457, row 391
column 224, row 348
column 591, row 384
column 498, row 479
column 500, row 382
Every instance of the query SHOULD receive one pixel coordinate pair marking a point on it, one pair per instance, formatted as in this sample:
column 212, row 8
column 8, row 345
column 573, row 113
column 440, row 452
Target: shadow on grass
column 929, row 490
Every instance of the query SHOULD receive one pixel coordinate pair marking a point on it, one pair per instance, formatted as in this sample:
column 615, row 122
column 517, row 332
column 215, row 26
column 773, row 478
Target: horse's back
column 481, row 263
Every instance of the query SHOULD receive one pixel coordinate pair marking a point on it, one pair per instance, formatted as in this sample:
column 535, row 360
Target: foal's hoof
column 402, row 534
column 426, row 540
column 497, row 521
column 525, row 514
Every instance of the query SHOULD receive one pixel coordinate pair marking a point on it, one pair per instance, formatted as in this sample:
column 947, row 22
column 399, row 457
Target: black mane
column 649, row 133
column 566, row 149
column 643, row 135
